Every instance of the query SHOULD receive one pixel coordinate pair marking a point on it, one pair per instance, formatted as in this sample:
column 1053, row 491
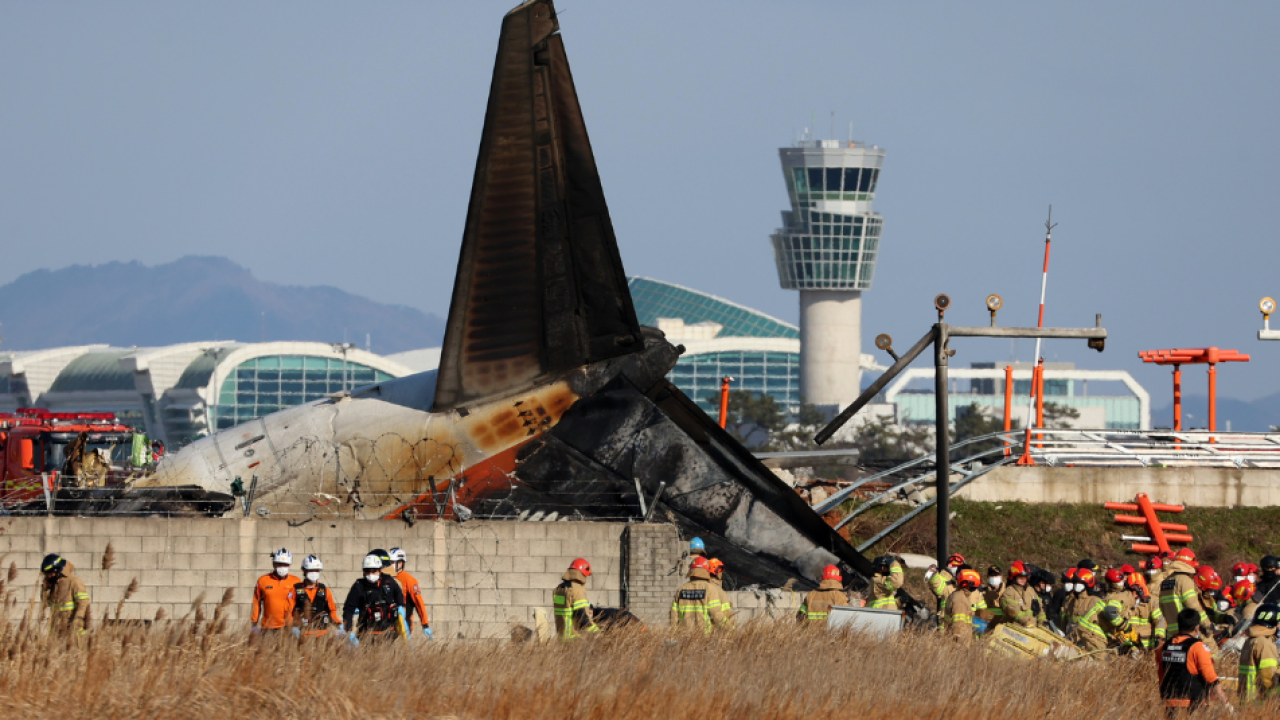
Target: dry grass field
column 183, row 669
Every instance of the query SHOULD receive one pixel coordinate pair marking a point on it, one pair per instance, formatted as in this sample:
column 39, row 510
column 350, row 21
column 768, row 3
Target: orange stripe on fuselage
column 491, row 475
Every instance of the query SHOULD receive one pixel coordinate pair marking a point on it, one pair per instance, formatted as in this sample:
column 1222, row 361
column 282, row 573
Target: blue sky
column 333, row 143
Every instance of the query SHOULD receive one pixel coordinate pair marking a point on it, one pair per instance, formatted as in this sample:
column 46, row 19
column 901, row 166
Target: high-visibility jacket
column 1258, row 663
column 961, row 607
column 1179, row 591
column 412, row 598
column 697, row 604
column 1117, row 609
column 819, row 602
column 943, row 583
column 314, row 608
column 572, row 609
column 1148, row 622
column 68, row 601
column 884, row 587
column 1153, row 587
column 273, row 601
column 1018, row 604
column 1081, row 616
column 726, row 602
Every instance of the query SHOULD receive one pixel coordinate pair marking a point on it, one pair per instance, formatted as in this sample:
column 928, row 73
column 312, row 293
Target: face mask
column 282, row 571
column 994, row 581
column 313, row 577
column 1239, row 578
column 372, row 577
column 1152, row 572
column 1223, row 605
column 1253, row 578
column 928, row 574
column 1079, row 587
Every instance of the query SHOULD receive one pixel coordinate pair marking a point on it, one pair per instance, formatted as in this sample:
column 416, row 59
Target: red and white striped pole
column 1031, row 397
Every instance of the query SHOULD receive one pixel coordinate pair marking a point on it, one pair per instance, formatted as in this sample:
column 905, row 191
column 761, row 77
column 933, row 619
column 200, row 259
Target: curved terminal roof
column 655, row 299
column 197, row 373
column 95, row 372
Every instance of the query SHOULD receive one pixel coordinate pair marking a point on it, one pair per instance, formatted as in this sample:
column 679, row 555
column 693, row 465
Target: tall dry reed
column 761, row 671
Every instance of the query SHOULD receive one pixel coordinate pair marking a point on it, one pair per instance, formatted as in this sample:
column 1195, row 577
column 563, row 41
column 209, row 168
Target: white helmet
column 397, row 555
column 312, row 563
column 372, row 562
column 282, row 556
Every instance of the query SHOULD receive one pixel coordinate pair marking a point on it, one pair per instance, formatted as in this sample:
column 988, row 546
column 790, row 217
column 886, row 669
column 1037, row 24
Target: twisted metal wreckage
column 550, row 400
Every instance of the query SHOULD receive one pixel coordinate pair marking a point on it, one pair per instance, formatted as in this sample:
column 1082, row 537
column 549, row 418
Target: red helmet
column 831, row 572
column 1241, row 592
column 1240, row 569
column 582, row 566
column 700, row 561
column 1116, row 576
column 969, row 579
column 1085, row 575
column 955, row 559
column 715, row 566
column 1251, row 569
column 1127, row 569
column 1186, row 555
column 1070, row 573
column 1017, row 568
column 1207, row 579
column 1155, row 563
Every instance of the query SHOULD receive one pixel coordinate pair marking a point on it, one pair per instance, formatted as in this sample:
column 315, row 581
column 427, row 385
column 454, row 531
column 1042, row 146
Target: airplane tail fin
column 540, row 287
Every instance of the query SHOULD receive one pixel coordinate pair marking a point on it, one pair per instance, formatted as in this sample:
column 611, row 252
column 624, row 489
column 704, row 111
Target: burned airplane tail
column 541, row 297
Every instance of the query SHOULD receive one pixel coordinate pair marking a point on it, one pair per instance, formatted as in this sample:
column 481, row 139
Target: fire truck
column 81, row 464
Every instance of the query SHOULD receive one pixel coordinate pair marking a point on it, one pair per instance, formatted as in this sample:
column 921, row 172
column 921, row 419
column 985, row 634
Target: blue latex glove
column 341, row 629
column 297, row 632
column 979, row 625
column 354, row 640
column 254, row 629
column 426, row 633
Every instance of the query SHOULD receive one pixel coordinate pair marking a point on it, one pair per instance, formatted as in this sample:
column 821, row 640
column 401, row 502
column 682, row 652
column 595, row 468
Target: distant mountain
column 194, row 299
column 1256, row 416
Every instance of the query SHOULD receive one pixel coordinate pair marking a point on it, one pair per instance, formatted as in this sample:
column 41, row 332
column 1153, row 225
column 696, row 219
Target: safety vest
column 1180, row 687
column 315, row 613
column 567, row 607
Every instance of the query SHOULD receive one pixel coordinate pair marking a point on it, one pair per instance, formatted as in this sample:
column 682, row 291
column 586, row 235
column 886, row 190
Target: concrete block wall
column 654, row 571
column 479, row 578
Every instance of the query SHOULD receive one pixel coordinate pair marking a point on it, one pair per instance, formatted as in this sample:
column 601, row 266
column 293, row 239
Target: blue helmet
column 696, row 545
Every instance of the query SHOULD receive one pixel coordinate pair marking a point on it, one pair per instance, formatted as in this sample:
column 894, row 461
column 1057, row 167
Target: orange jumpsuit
column 273, row 601
column 412, row 598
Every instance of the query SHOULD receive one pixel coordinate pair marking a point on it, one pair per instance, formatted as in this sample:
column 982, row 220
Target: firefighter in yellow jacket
column 573, row 610
column 1179, row 591
column 963, row 604
column 715, row 568
column 943, row 582
column 888, row 578
column 1118, row 606
column 1258, row 657
column 819, row 602
column 697, row 604
column 1080, row 613
column 65, row 595
column 1019, row 602
column 1147, row 620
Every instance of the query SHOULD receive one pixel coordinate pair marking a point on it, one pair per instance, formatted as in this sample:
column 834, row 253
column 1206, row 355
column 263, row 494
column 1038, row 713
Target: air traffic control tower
column 826, row 249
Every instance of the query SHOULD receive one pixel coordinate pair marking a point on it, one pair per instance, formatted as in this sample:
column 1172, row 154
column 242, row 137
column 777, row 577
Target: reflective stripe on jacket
column 1258, row 664
column 572, row 608
column 818, row 603
column 697, row 603
column 68, row 601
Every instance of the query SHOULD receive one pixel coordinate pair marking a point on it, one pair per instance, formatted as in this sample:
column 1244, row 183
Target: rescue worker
column 1258, row 657
column 963, row 604
column 1020, row 602
column 374, row 607
column 889, row 577
column 573, row 610
column 1268, row 584
column 696, row 605
column 1178, row 591
column 412, row 592
column 65, row 595
column 1058, row 601
column 1156, row 574
column 993, row 614
column 1185, row 668
column 1118, row 607
column 1042, row 584
column 819, row 602
column 943, row 582
column 715, row 568
column 273, row 595
column 1217, row 607
column 314, row 607
column 1081, row 611
column 1243, row 594
column 1147, row 621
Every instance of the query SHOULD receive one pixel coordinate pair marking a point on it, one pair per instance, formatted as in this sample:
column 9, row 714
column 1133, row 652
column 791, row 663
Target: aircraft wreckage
column 550, row 397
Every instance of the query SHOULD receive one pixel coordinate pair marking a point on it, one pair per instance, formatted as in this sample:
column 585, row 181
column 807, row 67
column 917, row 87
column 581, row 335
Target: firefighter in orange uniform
column 412, row 592
column 314, row 608
column 273, row 595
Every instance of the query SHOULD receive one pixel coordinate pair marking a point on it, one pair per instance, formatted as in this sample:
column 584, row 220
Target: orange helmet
column 700, row 561
column 1133, row 581
column 1017, row 568
column 969, row 579
column 955, row 559
column 1186, row 555
column 831, row 572
column 1116, row 576
column 715, row 566
column 1241, row 592
column 582, row 566
column 1085, row 575
column 1207, row 579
